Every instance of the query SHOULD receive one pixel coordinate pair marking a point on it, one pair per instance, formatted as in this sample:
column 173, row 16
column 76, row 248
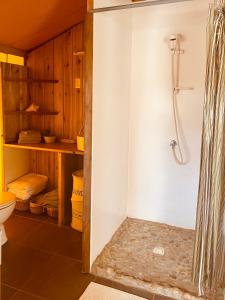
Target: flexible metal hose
column 175, row 83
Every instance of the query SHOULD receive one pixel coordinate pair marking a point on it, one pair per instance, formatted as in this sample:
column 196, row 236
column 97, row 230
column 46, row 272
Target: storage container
column 49, row 139
column 77, row 201
column 52, row 212
column 22, row 205
column 36, row 208
column 80, row 143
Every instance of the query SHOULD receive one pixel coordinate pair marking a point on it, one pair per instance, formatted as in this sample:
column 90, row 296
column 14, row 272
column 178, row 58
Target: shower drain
column 159, row 251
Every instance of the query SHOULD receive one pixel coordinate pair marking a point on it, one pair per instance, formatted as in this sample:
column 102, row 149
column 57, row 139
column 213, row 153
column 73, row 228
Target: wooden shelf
column 23, row 112
column 31, row 80
column 54, row 147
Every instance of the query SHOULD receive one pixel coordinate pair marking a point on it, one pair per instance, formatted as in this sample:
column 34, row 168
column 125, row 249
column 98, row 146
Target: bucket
column 77, row 201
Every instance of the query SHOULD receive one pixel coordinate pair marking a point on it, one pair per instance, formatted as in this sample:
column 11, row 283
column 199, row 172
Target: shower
column 176, row 51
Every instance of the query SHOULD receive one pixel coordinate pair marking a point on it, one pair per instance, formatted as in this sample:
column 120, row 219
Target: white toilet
column 7, row 205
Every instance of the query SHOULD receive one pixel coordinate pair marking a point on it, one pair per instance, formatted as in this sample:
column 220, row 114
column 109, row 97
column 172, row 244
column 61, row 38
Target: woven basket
column 52, row 211
column 22, row 205
column 35, row 208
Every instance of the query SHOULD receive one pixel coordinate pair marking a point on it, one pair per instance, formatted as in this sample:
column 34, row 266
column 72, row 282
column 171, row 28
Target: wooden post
column 61, row 188
column 88, row 75
column 2, row 181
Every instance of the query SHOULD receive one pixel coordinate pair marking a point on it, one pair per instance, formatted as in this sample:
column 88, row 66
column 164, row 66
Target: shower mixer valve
column 173, row 143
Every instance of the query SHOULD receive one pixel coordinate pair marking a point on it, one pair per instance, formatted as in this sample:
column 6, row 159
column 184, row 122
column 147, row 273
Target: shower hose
column 176, row 144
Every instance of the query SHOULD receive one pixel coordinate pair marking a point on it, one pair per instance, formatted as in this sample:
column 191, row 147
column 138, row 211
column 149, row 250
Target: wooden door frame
column 88, row 87
column 2, row 171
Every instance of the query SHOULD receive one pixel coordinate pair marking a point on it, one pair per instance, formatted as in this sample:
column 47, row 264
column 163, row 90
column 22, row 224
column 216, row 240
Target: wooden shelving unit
column 54, row 147
column 53, row 80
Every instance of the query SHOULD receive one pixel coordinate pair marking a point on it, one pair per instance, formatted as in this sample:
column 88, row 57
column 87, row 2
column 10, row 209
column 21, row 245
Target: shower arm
column 135, row 5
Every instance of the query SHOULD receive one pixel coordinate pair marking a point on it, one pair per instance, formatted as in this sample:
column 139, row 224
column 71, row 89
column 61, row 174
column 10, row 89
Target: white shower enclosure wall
column 134, row 173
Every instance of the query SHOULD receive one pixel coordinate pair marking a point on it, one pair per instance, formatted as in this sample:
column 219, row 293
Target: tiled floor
column 43, row 261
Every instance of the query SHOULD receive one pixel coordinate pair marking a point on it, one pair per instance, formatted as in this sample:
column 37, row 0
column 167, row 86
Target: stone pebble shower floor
column 129, row 259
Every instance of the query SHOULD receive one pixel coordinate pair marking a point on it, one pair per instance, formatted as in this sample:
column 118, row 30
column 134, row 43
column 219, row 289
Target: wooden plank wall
column 40, row 65
column 45, row 163
column 14, row 97
column 57, row 60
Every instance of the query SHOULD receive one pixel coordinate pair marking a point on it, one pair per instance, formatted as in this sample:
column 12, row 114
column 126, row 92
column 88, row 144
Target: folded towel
column 29, row 137
column 28, row 185
column 30, row 133
column 48, row 199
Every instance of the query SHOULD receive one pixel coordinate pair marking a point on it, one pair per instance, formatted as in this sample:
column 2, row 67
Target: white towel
column 28, row 185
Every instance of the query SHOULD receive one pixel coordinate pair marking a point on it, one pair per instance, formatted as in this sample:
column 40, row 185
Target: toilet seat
column 6, row 199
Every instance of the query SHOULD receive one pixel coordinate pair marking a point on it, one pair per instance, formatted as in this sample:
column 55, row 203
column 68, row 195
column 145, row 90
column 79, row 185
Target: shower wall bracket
column 183, row 88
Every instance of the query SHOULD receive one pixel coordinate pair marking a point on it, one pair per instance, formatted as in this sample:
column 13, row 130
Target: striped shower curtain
column 209, row 253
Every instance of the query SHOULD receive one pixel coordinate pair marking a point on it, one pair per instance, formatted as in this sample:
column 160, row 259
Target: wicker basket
column 35, row 208
column 49, row 139
column 52, row 211
column 22, row 205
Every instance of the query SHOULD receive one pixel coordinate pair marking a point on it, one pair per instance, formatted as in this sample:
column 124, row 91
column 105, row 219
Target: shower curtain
column 209, row 252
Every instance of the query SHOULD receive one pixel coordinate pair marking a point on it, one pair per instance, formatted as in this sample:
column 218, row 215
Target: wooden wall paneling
column 53, row 170
column 67, row 100
column 23, row 98
column 88, row 79
column 33, row 161
column 15, row 97
column 48, row 89
column 45, row 163
column 69, row 114
column 49, row 159
column 59, row 87
column 78, row 94
column 56, row 60
column 35, row 93
column 78, row 38
column 78, row 65
column 40, row 64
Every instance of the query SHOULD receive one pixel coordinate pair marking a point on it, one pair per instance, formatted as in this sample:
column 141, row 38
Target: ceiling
column 25, row 24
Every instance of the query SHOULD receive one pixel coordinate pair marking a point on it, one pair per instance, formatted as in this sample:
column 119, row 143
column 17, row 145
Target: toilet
column 7, row 205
